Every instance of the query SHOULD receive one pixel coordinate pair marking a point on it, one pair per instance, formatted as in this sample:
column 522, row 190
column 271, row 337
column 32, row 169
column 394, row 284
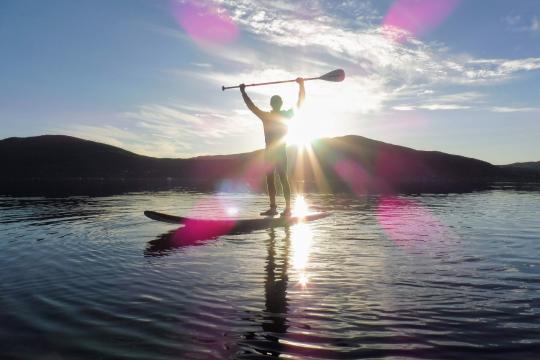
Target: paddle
column 334, row 76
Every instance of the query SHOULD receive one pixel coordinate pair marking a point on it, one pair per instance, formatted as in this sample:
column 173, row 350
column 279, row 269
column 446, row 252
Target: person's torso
column 275, row 126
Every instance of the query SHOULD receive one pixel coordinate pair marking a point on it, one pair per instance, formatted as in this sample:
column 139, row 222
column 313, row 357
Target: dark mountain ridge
column 532, row 165
column 344, row 163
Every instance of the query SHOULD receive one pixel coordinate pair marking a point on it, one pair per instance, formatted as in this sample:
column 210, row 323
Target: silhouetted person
column 275, row 131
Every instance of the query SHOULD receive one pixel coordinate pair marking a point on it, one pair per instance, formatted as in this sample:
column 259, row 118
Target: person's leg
column 286, row 188
column 271, row 186
column 270, row 168
column 282, row 171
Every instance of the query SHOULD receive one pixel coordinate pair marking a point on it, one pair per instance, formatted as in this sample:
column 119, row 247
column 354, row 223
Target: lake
column 427, row 276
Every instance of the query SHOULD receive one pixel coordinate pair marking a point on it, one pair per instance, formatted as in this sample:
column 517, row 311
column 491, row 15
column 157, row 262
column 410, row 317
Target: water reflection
column 194, row 232
column 302, row 238
column 411, row 225
column 279, row 261
column 44, row 211
column 384, row 280
column 164, row 243
column 273, row 319
column 286, row 250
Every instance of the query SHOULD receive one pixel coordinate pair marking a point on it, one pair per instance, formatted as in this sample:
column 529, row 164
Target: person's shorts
column 276, row 158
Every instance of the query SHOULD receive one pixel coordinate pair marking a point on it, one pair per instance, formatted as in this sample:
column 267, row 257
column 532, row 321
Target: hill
column 351, row 163
column 531, row 165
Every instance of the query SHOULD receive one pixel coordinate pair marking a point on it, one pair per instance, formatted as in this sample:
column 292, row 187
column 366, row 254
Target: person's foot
column 286, row 212
column 270, row 212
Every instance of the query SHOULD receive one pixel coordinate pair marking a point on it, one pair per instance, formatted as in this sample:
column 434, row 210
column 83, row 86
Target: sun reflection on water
column 301, row 241
column 300, row 207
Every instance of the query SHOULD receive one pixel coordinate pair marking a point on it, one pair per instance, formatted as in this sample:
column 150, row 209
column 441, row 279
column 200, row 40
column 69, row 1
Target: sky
column 458, row 76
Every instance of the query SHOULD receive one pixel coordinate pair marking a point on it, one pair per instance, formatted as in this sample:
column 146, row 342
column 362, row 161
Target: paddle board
column 234, row 225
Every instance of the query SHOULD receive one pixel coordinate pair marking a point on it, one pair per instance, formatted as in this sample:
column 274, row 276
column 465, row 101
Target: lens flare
column 309, row 123
column 410, row 225
column 205, row 24
column 417, row 17
column 353, row 175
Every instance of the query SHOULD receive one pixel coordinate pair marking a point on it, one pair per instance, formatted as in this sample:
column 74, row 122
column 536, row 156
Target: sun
column 307, row 126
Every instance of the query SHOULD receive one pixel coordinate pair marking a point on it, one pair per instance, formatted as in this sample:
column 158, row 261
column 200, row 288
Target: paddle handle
column 223, row 88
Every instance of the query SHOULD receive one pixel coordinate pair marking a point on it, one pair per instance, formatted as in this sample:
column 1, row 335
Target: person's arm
column 301, row 93
column 251, row 106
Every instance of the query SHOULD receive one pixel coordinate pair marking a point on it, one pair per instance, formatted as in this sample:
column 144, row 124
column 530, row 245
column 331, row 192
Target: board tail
column 171, row 219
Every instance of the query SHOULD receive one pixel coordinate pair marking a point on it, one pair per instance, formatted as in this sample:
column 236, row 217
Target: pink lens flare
column 250, row 177
column 196, row 231
column 256, row 171
column 205, row 24
column 353, row 175
column 394, row 165
column 410, row 225
column 417, row 17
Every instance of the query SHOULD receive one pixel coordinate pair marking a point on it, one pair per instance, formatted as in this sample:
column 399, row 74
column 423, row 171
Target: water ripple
column 442, row 276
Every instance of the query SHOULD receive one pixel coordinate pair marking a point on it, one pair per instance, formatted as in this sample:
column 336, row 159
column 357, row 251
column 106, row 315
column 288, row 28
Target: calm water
column 443, row 276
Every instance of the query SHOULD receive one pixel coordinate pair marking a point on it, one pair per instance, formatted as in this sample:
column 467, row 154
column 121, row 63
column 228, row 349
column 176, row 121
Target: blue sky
column 131, row 73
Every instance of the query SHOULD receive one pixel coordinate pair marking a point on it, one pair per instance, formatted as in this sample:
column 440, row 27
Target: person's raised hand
column 242, row 87
column 300, row 80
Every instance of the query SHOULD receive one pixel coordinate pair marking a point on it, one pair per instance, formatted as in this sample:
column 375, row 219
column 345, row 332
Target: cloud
column 365, row 46
column 404, row 108
column 512, row 20
column 505, row 109
column 443, row 107
column 233, row 53
column 435, row 106
column 171, row 131
column 518, row 23
column 202, row 65
column 431, row 107
column 315, row 36
column 282, row 40
column 170, row 121
column 535, row 25
column 432, row 101
column 132, row 140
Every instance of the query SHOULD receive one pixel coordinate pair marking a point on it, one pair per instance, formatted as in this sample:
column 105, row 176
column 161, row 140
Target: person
column 275, row 130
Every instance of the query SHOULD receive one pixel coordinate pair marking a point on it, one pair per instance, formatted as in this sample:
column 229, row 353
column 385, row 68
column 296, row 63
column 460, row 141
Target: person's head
column 276, row 102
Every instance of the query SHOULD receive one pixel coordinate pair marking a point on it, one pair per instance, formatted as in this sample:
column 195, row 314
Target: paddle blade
column 335, row 76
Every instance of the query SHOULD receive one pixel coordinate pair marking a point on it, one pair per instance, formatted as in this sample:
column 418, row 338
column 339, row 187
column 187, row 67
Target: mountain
column 352, row 163
column 531, row 165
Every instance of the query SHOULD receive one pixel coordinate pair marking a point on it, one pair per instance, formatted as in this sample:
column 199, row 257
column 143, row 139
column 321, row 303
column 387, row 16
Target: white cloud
column 368, row 45
column 310, row 38
column 202, row 65
column 520, row 23
column 347, row 34
column 431, row 107
column 535, row 24
column 505, row 109
column 443, row 107
column 432, row 101
column 170, row 130
column 133, row 140
column 404, row 108
column 512, row 20
column 181, row 123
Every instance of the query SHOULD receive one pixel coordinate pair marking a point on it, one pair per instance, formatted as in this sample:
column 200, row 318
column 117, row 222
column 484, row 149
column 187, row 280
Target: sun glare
column 300, row 207
column 302, row 239
column 307, row 126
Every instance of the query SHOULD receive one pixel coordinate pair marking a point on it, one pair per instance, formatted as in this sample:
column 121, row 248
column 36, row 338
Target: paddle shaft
column 267, row 83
